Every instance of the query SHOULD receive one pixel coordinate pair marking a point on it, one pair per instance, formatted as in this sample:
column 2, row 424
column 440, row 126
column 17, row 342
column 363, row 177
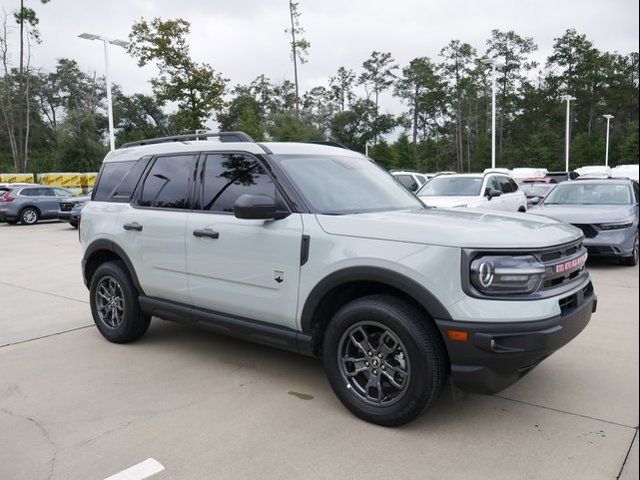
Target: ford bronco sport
column 316, row 249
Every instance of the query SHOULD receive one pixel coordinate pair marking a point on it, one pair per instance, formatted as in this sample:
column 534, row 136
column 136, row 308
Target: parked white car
column 594, row 171
column 495, row 191
column 626, row 171
column 524, row 172
column 412, row 181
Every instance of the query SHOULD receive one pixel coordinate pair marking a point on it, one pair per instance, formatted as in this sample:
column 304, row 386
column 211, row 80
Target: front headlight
column 502, row 274
column 80, row 204
column 616, row 226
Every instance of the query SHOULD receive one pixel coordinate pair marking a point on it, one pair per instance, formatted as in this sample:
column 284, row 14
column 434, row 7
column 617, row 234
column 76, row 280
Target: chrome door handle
column 205, row 233
column 133, row 226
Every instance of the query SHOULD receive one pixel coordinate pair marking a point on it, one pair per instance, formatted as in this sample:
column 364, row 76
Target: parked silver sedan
column 605, row 210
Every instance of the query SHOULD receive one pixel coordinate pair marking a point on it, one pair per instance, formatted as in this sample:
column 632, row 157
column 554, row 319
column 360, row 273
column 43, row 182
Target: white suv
column 494, row 191
column 315, row 249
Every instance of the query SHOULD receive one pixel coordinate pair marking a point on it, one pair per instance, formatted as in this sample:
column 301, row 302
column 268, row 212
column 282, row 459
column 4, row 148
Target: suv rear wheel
column 385, row 363
column 114, row 304
column 29, row 216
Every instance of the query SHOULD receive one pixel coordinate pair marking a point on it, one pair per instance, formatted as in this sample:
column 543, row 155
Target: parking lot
column 73, row 405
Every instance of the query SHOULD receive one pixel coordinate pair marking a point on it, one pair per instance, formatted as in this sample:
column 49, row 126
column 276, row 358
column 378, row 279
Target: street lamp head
column 567, row 98
column 608, row 117
column 89, row 36
column 119, row 43
column 493, row 62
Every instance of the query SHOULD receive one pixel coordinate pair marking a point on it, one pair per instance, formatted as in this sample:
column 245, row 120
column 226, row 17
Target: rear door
column 495, row 203
column 247, row 268
column 151, row 229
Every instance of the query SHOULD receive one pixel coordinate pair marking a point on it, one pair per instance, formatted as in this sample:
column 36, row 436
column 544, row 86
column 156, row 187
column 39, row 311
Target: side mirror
column 535, row 201
column 256, row 207
column 492, row 193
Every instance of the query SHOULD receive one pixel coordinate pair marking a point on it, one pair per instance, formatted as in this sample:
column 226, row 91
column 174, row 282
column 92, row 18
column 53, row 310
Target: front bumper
column 496, row 355
column 616, row 243
column 64, row 215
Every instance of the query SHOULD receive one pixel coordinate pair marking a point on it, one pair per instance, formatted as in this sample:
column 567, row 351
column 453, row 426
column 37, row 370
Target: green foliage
column 405, row 153
column 195, row 88
column 384, row 155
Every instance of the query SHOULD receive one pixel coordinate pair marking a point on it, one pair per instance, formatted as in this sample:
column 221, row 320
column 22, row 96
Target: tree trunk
column 20, row 163
column 294, row 54
column 415, row 120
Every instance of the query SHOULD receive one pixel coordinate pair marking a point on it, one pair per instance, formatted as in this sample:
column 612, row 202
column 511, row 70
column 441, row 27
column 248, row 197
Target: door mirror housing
column 535, row 201
column 492, row 193
column 257, row 207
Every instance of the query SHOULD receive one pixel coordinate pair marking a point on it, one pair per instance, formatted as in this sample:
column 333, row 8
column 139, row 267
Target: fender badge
column 278, row 276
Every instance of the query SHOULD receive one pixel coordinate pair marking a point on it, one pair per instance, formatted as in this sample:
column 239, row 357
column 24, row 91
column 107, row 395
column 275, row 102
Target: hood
column 84, row 198
column 454, row 228
column 585, row 213
column 448, row 202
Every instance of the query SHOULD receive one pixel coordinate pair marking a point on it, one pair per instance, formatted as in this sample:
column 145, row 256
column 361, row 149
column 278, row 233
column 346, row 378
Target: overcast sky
column 244, row 38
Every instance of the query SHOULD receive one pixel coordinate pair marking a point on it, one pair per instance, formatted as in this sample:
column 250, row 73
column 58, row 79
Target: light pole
column 606, row 154
column 366, row 149
column 568, row 99
column 494, row 64
column 106, row 41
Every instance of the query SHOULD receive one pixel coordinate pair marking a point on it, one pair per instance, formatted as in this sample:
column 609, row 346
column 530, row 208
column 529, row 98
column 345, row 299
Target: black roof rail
column 224, row 137
column 328, row 143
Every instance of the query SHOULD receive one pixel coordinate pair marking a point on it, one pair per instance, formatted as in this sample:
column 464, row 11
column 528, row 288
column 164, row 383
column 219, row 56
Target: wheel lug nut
column 366, row 364
column 375, row 372
column 379, row 355
column 383, row 367
column 369, row 353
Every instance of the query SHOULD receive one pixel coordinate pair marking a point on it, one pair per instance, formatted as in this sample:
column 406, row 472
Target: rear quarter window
column 118, row 180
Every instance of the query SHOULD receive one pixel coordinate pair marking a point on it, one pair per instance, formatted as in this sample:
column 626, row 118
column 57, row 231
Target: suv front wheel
column 384, row 360
column 114, row 304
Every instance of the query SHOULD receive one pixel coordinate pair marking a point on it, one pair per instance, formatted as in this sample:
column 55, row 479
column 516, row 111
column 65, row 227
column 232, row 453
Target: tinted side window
column 30, row 192
column 61, row 192
column 514, row 185
column 228, row 176
column 504, row 184
column 636, row 191
column 408, row 182
column 110, row 176
column 492, row 184
column 169, row 182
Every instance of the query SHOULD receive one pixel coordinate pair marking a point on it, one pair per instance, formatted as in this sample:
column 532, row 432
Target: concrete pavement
column 73, row 405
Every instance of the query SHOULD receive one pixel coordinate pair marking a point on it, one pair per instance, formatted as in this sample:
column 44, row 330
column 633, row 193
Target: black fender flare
column 110, row 246
column 370, row 274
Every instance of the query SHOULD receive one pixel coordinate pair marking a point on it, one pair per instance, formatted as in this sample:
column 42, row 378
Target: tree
column 360, row 125
column 514, row 51
column 342, row 84
column 138, row 117
column 377, row 76
column 244, row 113
column 457, row 70
column 195, row 88
column 420, row 88
column 299, row 47
column 406, row 158
column 14, row 95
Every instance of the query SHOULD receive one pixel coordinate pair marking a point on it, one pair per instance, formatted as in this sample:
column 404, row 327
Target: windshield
column 341, row 185
column 576, row 193
column 450, row 186
column 536, row 189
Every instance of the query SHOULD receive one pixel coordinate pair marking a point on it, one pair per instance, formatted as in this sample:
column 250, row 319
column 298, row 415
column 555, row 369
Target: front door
column 248, row 268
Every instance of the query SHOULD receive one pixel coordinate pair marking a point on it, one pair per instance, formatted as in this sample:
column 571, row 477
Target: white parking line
column 139, row 471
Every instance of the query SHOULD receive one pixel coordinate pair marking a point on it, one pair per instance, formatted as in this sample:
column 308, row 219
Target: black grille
column 572, row 301
column 588, row 230
column 66, row 207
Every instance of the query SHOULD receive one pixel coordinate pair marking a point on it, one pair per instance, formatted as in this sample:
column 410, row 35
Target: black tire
column 132, row 322
column 29, row 216
column 632, row 260
column 423, row 356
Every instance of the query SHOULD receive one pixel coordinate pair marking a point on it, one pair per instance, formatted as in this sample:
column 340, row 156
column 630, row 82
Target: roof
column 277, row 148
column 607, row 181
